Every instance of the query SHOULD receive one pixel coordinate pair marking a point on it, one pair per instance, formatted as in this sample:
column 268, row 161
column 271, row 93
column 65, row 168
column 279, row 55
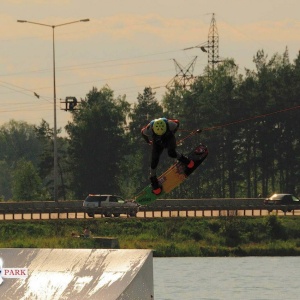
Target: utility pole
column 55, row 162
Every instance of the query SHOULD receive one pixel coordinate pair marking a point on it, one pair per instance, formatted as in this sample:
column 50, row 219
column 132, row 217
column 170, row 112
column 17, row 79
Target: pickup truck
column 109, row 205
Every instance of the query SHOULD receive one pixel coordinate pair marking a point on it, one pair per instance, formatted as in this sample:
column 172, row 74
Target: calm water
column 249, row 278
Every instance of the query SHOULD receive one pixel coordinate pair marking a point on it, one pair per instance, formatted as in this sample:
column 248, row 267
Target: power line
column 195, row 131
column 251, row 118
column 98, row 63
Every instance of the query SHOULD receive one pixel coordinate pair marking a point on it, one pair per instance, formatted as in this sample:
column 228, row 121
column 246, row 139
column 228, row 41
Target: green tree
column 210, row 102
column 44, row 135
column 17, row 140
column 146, row 109
column 249, row 155
column 97, row 142
column 5, row 181
column 173, row 102
column 273, row 138
column 135, row 165
column 27, row 184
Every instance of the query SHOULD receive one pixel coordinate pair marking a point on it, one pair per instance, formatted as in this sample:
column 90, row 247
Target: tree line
column 249, row 122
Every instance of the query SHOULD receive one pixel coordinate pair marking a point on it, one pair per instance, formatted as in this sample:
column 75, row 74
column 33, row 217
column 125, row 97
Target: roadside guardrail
column 63, row 209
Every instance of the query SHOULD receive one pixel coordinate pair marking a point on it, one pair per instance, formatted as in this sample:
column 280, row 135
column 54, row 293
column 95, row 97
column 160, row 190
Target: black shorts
column 158, row 147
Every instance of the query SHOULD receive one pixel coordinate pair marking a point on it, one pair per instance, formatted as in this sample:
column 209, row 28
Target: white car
column 109, row 205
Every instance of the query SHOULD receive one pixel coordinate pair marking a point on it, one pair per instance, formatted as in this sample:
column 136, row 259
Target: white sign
column 12, row 272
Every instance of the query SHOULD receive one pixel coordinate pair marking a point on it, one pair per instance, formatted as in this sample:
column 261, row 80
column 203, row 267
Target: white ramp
column 105, row 274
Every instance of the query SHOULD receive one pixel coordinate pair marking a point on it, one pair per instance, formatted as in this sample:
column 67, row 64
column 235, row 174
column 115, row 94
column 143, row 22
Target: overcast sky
column 128, row 45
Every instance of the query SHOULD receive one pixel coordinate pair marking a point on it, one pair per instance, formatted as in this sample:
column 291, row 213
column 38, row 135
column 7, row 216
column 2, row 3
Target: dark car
column 282, row 199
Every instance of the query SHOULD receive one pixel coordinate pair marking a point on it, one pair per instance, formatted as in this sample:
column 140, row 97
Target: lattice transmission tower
column 213, row 44
column 211, row 47
column 184, row 75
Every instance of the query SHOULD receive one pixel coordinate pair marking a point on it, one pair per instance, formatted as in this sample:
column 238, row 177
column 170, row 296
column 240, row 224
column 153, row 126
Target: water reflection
column 221, row 278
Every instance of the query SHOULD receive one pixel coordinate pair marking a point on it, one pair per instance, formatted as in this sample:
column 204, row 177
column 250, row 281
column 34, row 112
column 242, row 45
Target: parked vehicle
column 109, row 205
column 286, row 200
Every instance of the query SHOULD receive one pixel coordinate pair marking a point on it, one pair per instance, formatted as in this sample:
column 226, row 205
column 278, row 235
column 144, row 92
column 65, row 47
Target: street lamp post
column 54, row 97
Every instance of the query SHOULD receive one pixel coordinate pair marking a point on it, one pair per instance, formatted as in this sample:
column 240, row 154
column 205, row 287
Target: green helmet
column 159, row 126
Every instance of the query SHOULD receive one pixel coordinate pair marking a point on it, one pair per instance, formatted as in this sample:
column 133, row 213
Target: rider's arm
column 173, row 125
column 146, row 133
